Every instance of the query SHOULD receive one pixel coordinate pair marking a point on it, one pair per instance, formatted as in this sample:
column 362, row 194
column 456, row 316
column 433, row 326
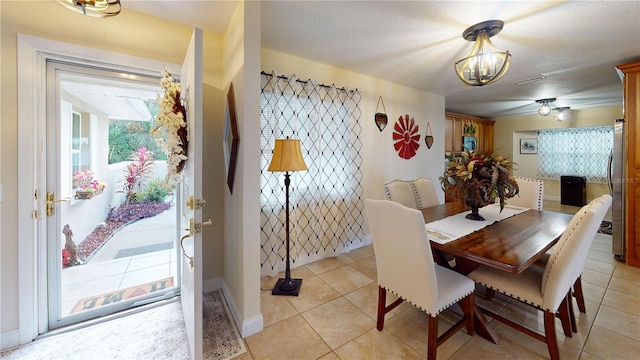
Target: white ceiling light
column 484, row 63
column 95, row 8
column 545, row 109
column 563, row 113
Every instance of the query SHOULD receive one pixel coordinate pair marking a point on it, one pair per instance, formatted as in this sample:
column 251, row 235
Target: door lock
column 195, row 204
column 51, row 200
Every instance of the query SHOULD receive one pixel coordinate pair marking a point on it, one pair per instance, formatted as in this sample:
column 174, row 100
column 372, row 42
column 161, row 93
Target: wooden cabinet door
column 448, row 134
column 457, row 134
column 481, row 147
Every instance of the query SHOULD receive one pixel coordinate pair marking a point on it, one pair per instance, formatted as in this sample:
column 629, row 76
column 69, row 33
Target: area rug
column 606, row 227
column 221, row 339
column 121, row 294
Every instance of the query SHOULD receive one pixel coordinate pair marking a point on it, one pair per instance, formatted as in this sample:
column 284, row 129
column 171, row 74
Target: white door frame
column 33, row 53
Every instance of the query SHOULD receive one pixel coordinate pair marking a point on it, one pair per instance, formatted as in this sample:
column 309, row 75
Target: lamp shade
column 287, row 156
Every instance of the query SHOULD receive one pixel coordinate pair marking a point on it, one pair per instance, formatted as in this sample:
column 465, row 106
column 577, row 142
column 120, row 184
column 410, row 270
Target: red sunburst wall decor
column 406, row 138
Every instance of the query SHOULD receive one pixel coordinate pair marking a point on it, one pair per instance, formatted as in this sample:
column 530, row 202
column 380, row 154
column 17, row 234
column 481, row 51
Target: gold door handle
column 207, row 223
column 51, row 200
column 184, row 252
column 191, row 231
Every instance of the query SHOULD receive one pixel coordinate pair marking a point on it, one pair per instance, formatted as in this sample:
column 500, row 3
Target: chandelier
column 484, row 63
column 95, row 8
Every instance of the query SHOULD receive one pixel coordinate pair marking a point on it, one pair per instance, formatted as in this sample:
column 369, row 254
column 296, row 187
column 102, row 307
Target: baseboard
column 551, row 197
column 9, row 339
column 246, row 327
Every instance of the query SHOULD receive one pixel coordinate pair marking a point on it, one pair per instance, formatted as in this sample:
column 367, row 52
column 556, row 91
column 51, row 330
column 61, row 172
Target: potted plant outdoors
column 479, row 179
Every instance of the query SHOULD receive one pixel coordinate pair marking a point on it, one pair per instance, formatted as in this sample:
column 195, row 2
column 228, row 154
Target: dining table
column 511, row 244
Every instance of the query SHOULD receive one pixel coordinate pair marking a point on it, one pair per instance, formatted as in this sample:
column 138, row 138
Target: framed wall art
column 528, row 146
column 231, row 140
column 470, row 143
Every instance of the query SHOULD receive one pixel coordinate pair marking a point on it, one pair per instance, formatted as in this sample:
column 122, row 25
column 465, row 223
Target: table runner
column 456, row 226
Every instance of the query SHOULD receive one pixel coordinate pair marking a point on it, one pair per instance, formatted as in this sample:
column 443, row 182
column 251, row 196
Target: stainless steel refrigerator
column 617, row 180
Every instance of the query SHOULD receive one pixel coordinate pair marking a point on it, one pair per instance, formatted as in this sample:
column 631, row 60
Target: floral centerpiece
column 479, row 180
column 171, row 134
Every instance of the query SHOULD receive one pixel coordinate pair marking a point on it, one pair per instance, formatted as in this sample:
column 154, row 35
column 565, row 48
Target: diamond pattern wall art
column 406, row 138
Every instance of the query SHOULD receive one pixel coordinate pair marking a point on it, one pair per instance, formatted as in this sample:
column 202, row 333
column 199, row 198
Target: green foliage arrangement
column 156, row 191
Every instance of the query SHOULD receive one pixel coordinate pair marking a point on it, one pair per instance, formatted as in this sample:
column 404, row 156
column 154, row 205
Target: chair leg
column 577, row 291
column 432, row 343
column 382, row 301
column 563, row 313
column 550, row 335
column 489, row 293
column 572, row 314
column 383, row 308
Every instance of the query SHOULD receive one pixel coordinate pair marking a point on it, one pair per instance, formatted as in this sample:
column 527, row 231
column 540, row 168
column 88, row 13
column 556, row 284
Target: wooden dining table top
column 511, row 245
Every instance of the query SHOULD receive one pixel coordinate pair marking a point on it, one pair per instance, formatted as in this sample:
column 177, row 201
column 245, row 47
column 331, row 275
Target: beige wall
column 241, row 209
column 129, row 33
column 509, row 130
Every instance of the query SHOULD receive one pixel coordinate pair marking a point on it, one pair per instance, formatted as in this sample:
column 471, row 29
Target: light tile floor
column 334, row 317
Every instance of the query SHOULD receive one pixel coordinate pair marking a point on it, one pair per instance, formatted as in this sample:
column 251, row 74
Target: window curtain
column 325, row 202
column 575, row 151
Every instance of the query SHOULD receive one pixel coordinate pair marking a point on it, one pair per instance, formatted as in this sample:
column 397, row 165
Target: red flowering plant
column 479, row 179
column 137, row 171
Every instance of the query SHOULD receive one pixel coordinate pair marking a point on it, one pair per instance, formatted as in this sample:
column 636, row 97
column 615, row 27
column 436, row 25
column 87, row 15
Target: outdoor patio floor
column 138, row 253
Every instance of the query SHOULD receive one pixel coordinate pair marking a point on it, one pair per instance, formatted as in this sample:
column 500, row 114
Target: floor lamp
column 287, row 156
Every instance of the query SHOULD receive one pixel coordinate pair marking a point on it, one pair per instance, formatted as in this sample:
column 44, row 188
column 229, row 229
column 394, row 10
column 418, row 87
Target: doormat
column 121, row 294
column 221, row 339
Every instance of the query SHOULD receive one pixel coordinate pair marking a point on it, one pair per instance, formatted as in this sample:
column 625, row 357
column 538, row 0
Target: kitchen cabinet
column 631, row 112
column 458, row 126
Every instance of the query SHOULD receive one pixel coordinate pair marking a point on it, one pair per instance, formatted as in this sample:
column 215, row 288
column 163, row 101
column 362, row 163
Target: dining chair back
column 549, row 289
column 408, row 270
column 419, row 193
column 530, row 194
column 400, row 191
column 425, row 192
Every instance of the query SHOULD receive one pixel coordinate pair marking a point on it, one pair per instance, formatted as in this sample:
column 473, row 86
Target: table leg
column 482, row 326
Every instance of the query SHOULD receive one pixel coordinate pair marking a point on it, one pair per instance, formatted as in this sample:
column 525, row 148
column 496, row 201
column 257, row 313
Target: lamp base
column 291, row 288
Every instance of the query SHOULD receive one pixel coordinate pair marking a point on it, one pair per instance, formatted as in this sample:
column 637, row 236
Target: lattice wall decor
column 575, row 151
column 326, row 206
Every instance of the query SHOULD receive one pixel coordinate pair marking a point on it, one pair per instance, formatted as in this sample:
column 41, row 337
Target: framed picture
column 528, row 146
column 231, row 140
column 470, row 143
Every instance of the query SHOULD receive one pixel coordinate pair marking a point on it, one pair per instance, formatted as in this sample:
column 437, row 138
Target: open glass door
column 190, row 207
column 107, row 249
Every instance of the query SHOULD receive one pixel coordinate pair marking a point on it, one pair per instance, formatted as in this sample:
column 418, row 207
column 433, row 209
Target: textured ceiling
column 574, row 45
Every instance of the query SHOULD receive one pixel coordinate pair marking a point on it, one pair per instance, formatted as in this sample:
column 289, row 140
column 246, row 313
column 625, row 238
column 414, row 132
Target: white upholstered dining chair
column 400, row 191
column 419, row 193
column 408, row 270
column 577, row 281
column 548, row 288
column 425, row 192
column 530, row 194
